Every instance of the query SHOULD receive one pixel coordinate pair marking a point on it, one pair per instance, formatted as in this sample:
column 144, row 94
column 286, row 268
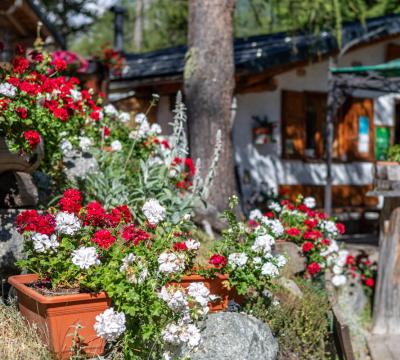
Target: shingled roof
column 261, row 52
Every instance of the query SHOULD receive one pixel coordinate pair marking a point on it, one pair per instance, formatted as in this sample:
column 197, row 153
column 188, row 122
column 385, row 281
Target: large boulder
column 296, row 262
column 229, row 335
column 17, row 190
column 78, row 165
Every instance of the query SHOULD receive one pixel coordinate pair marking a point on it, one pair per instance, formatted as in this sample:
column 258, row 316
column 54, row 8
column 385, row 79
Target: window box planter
column 57, row 316
column 217, row 286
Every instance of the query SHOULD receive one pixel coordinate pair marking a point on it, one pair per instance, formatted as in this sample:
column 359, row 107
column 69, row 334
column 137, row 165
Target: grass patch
column 302, row 325
column 18, row 340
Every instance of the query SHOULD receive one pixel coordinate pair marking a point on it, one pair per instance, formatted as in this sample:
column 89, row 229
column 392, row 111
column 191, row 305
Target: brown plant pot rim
column 19, row 282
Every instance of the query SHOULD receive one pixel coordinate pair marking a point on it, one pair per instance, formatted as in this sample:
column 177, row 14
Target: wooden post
column 386, row 316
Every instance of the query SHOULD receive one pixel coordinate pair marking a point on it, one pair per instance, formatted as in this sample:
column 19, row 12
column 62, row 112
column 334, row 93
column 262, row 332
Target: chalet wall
column 263, row 162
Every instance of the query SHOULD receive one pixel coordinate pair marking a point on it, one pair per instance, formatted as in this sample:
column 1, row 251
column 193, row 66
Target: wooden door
column 356, row 130
column 293, row 124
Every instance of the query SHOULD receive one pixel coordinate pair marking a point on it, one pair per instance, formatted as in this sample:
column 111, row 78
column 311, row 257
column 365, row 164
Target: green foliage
column 393, row 153
column 301, row 324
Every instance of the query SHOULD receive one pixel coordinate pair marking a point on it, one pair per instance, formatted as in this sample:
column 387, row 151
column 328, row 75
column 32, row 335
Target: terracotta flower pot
column 57, row 316
column 217, row 286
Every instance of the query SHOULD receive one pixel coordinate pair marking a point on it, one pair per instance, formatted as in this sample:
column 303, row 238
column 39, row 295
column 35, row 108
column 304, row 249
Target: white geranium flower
column 175, row 298
column 142, row 130
column 339, row 280
column 332, row 248
column 237, row 259
column 275, row 206
column 153, row 211
column 66, row 147
column 140, row 118
column 155, row 129
column 342, row 257
column 110, row 110
column 199, row 292
column 85, row 143
column 337, row 270
column 42, row 242
column 182, row 334
column 275, row 226
column 8, row 90
column 310, row 202
column 76, row 95
column 263, row 244
column 171, row 262
column 124, row 117
column 85, row 257
column 280, row 261
column 329, row 227
column 192, row 244
column 116, row 145
column 127, row 261
column 269, row 269
column 67, row 223
column 110, row 325
column 257, row 261
column 255, row 214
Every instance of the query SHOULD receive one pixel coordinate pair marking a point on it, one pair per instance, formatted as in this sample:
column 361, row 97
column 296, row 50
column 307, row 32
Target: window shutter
column 293, row 124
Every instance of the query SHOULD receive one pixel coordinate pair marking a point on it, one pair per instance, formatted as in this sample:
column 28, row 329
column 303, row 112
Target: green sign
column 382, row 142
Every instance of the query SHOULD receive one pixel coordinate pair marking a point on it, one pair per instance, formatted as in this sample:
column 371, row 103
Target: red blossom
column 95, row 214
column 103, row 238
column 131, row 234
column 30, row 220
column 22, row 113
column 311, row 223
column 59, row 64
column 20, row 64
column 307, row 246
column 219, row 261
column 370, row 282
column 36, row 56
column 180, row 246
column 19, row 49
column 269, row 214
column 341, row 228
column 32, row 137
column 190, row 165
column 125, row 212
column 71, row 201
column 253, row 223
column 61, row 114
column 293, row 232
column 303, row 208
column 313, row 268
column 312, row 235
column 95, row 115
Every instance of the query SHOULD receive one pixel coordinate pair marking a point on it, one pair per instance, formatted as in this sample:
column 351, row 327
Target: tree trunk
column 138, row 30
column 209, row 85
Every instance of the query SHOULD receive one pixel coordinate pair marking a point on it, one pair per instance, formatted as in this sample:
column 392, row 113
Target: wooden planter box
column 57, row 316
column 387, row 175
column 217, row 287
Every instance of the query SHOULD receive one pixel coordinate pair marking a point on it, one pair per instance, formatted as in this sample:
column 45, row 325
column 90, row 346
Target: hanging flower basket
column 57, row 317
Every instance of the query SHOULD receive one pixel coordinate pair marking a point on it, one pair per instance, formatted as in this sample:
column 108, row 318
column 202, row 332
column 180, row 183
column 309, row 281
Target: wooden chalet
column 280, row 112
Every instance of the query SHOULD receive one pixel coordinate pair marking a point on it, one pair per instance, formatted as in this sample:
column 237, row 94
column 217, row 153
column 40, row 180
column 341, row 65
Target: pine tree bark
column 209, row 85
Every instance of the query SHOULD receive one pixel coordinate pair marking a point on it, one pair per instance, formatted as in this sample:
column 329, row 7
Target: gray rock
column 17, row 190
column 43, row 183
column 296, row 262
column 78, row 165
column 290, row 286
column 11, row 242
column 352, row 297
column 236, row 336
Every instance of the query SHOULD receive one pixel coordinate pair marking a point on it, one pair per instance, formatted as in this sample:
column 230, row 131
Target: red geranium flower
column 103, row 238
column 190, row 165
column 22, row 113
column 20, row 64
column 313, row 268
column 307, row 246
column 341, row 228
column 32, row 137
column 71, row 201
column 135, row 235
column 370, row 282
column 59, row 64
column 180, row 246
column 219, row 261
column 311, row 223
column 253, row 223
column 95, row 214
column 293, row 232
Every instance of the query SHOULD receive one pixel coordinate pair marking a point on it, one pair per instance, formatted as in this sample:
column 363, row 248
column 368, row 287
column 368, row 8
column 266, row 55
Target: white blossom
column 66, row 147
column 275, row 226
column 333, row 247
column 342, row 257
column 263, row 243
column 8, row 90
column 275, row 206
column 85, row 257
column 42, row 242
column 257, row 261
column 237, row 259
column 127, row 261
column 155, row 129
column 85, row 143
column 280, row 261
column 110, row 325
column 339, row 280
column 255, row 214
column 67, row 223
column 192, row 244
column 182, row 334
column 153, row 211
column 124, row 117
column 116, row 145
column 140, row 118
column 76, row 95
column 310, row 202
column 171, row 262
column 269, row 269
column 199, row 292
column 110, row 110
column 175, row 298
column 329, row 227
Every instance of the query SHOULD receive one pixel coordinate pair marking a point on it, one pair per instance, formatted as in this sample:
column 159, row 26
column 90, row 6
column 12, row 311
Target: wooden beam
column 16, row 24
